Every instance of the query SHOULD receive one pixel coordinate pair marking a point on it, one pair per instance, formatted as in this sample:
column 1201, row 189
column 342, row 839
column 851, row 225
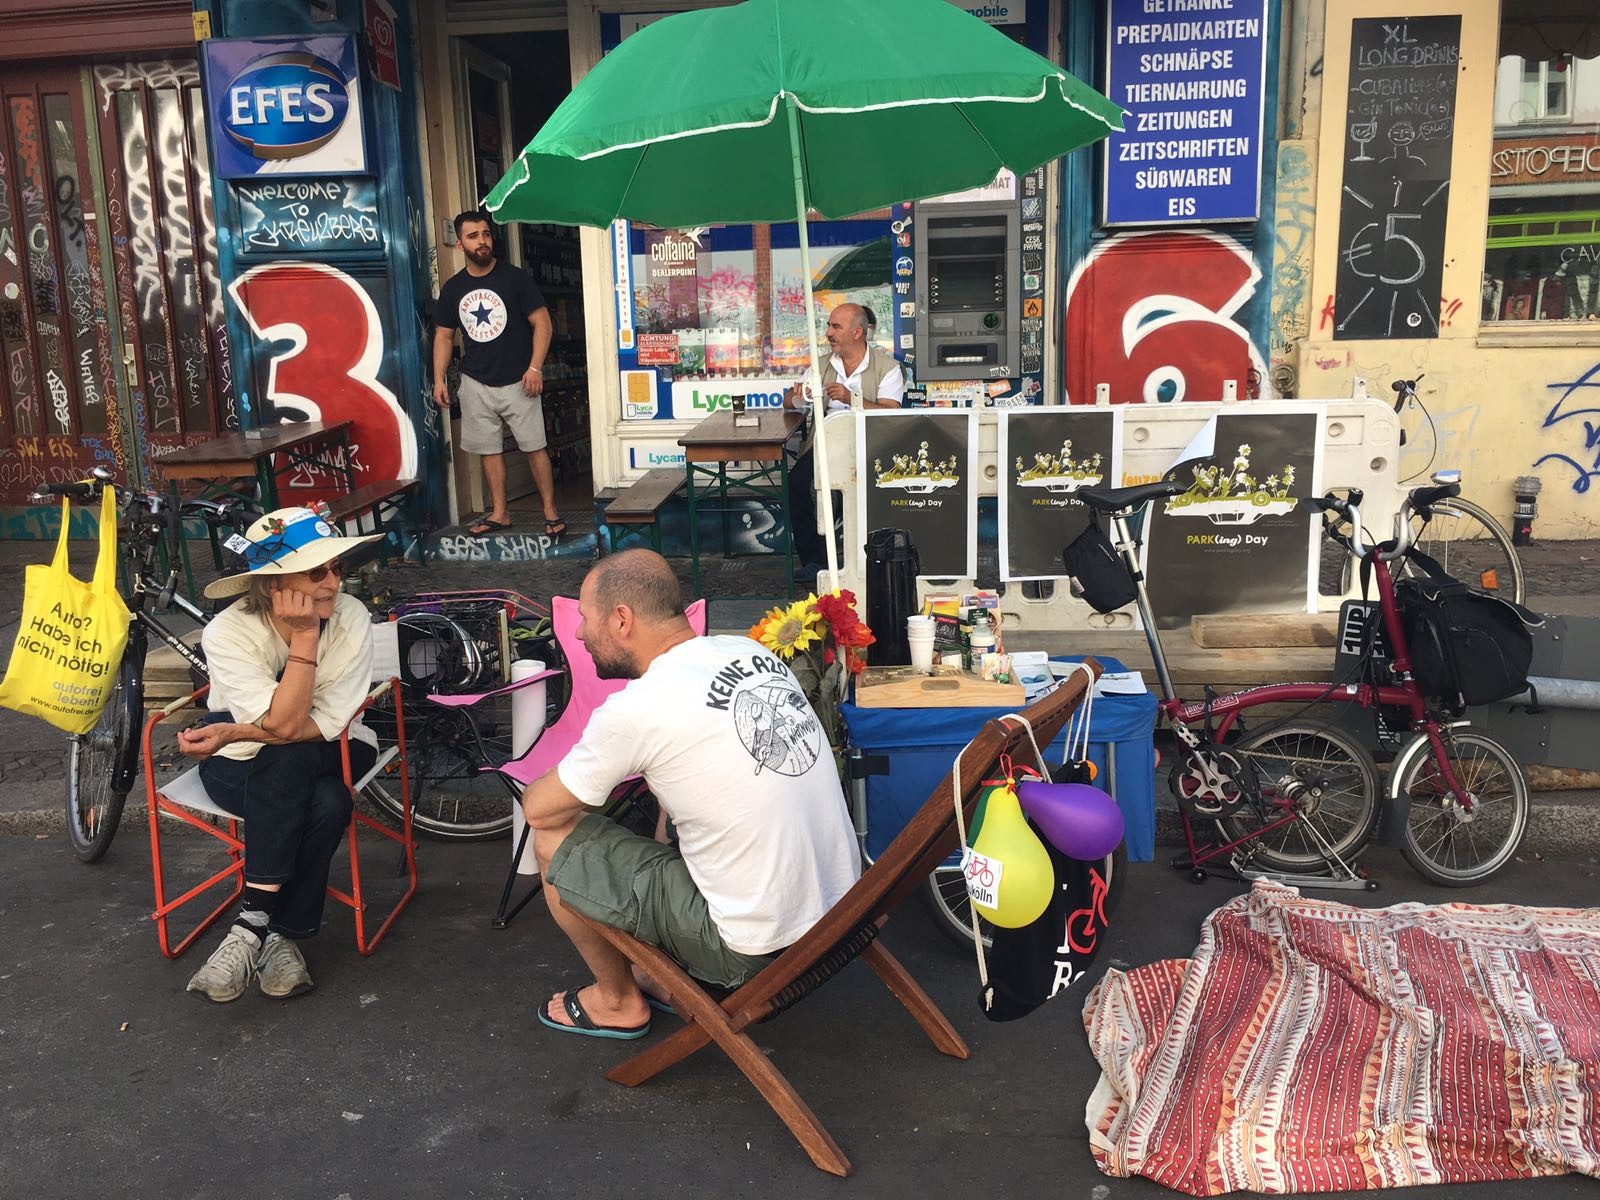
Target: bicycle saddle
column 1108, row 500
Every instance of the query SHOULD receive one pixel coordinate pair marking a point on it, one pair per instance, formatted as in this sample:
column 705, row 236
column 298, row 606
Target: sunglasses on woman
column 318, row 574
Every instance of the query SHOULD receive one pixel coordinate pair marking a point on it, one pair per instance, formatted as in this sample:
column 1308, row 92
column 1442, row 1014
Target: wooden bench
column 640, row 503
column 381, row 500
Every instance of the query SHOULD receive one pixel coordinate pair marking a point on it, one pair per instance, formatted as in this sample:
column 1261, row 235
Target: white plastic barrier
column 1361, row 449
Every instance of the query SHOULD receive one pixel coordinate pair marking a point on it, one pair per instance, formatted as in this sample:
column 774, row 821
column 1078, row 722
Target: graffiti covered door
column 59, row 412
column 159, row 222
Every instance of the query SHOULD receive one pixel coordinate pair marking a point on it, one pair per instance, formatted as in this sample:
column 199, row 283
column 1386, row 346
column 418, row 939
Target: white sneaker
column 230, row 968
column 283, row 968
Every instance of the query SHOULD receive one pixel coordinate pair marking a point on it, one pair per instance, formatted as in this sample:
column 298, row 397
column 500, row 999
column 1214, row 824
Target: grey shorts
column 642, row 887
column 484, row 409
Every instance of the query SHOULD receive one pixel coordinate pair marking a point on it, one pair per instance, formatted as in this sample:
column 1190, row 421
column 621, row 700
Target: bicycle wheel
column 1453, row 848
column 452, row 797
column 1472, row 546
column 100, row 767
column 945, row 896
column 1325, row 778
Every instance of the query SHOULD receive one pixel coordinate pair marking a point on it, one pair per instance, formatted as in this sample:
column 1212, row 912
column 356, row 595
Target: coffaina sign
column 1558, row 158
column 285, row 106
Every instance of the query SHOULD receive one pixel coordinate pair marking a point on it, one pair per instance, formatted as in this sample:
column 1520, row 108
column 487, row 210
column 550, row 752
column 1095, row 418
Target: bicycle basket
column 1093, row 561
column 1466, row 648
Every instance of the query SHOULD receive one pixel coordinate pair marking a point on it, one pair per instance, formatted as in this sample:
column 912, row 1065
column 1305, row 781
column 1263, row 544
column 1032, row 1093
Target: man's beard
column 481, row 256
column 619, row 665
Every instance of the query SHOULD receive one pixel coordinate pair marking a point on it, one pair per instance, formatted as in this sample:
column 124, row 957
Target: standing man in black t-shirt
column 505, row 330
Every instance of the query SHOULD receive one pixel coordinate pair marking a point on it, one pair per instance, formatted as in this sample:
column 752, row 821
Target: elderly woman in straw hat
column 290, row 664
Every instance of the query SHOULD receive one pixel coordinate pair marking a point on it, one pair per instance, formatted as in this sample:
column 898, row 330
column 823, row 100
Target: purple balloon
column 1080, row 821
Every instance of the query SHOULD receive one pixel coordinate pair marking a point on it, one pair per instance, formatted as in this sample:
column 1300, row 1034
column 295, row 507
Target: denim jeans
column 295, row 808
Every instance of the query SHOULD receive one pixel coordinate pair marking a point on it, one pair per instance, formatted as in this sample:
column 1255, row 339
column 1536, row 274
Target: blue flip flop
column 661, row 1006
column 584, row 1026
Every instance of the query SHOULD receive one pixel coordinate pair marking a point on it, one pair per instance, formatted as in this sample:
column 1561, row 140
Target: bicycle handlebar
column 1405, row 534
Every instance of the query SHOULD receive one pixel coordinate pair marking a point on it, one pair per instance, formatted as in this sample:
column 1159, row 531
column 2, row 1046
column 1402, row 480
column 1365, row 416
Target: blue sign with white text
column 1191, row 74
column 285, row 106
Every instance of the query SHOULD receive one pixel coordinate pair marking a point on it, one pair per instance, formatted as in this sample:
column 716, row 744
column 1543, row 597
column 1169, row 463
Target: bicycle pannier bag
column 1466, row 648
column 64, row 664
column 1093, row 561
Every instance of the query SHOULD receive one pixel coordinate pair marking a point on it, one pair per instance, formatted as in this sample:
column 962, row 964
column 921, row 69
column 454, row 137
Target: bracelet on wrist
column 300, row 658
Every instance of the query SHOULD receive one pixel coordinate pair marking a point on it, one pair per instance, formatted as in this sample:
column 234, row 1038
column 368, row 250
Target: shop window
column 734, row 295
column 1542, row 251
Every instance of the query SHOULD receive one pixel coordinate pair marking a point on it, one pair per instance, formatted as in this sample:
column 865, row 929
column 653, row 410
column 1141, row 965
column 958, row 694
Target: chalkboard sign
column 1392, row 207
column 309, row 215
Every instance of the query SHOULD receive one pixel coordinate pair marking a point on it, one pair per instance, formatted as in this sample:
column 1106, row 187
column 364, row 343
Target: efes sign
column 285, row 106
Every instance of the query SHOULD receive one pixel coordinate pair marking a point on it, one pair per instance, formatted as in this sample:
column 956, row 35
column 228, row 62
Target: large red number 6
column 1150, row 315
column 330, row 370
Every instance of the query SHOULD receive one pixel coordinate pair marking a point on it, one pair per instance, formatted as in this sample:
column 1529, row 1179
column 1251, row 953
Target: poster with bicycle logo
column 1240, row 538
column 914, row 472
column 1046, row 455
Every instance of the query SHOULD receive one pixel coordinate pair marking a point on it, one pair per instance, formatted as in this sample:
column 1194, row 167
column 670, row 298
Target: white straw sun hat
column 285, row 541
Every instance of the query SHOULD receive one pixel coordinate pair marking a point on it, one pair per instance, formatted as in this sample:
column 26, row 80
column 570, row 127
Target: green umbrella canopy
column 684, row 123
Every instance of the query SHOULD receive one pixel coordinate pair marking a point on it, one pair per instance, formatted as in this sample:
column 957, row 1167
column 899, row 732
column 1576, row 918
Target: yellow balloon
column 1009, row 876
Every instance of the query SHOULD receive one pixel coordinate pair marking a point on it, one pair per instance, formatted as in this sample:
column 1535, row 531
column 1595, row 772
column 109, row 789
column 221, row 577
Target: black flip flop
column 483, row 527
column 583, row 1025
column 554, row 529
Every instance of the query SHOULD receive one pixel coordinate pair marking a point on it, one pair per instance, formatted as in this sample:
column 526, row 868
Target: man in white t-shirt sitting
column 858, row 375
column 724, row 736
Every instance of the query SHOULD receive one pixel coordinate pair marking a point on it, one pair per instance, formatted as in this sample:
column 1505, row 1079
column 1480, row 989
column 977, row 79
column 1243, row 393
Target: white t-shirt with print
column 246, row 656
column 722, row 733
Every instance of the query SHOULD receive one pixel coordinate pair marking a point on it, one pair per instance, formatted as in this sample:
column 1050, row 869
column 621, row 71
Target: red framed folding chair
column 555, row 741
column 185, row 799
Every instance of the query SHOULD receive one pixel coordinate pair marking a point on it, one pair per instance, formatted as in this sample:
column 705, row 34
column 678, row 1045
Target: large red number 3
column 1151, row 315
column 330, row 370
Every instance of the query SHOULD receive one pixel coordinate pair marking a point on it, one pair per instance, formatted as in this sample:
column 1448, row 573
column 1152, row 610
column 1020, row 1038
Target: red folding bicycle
column 1298, row 799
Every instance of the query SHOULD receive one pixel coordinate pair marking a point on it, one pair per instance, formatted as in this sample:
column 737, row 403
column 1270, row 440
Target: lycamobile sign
column 697, row 398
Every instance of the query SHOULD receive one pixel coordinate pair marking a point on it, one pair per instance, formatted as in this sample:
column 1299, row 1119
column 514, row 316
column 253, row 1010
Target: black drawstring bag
column 1093, row 561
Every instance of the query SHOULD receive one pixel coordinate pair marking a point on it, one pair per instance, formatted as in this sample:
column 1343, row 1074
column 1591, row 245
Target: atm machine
column 968, row 305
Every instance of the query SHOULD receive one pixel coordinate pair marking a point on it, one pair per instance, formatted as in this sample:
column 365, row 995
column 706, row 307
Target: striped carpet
column 1309, row 1046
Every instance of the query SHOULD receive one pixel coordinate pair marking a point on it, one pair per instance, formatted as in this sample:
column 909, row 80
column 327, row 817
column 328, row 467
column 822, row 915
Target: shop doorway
column 506, row 86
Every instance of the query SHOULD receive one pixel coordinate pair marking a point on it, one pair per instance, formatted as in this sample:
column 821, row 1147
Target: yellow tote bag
column 64, row 664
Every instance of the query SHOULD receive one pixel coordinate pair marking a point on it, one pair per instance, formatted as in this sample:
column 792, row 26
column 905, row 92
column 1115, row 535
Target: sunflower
column 787, row 631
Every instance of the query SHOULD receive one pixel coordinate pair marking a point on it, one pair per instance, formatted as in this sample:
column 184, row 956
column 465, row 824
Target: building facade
column 1311, row 197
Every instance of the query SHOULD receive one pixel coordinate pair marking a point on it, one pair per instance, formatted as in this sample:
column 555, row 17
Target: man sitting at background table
column 857, row 375
column 722, row 733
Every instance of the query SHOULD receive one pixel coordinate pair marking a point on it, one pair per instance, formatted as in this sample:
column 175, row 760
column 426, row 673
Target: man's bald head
column 640, row 579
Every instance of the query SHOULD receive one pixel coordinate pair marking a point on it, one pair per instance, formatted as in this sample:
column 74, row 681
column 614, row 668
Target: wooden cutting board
column 906, row 687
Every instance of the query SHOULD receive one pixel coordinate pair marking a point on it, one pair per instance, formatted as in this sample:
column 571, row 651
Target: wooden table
column 761, row 456
column 219, row 463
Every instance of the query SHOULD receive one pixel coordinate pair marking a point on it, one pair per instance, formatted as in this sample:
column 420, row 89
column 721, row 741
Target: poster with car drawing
column 1046, row 455
column 914, row 472
column 1240, row 538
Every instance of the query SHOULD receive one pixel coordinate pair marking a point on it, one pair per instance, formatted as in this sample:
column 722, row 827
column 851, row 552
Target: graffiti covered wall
column 1154, row 317
column 1501, row 400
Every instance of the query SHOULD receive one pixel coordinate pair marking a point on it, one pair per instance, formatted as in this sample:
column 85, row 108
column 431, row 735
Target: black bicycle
column 103, row 763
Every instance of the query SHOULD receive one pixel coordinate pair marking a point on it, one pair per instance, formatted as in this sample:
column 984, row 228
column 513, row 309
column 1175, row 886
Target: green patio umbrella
column 766, row 110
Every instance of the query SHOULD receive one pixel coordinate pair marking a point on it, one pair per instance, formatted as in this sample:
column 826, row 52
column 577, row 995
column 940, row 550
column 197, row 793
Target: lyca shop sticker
column 286, row 105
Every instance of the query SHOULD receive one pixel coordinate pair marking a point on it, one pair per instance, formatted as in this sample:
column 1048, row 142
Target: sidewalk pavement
column 421, row 1073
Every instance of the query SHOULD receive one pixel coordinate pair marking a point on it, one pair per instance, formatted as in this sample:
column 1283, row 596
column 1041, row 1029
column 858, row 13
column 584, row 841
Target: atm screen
column 962, row 285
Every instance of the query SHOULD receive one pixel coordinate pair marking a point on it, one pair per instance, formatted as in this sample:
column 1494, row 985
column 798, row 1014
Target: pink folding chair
column 588, row 692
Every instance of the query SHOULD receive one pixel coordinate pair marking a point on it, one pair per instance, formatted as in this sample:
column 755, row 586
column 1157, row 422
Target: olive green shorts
column 642, row 887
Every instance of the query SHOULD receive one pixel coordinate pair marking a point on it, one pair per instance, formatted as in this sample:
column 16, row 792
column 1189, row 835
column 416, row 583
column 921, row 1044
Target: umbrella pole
column 819, row 402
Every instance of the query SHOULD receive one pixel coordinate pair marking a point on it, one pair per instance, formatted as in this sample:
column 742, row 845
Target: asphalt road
column 420, row 1072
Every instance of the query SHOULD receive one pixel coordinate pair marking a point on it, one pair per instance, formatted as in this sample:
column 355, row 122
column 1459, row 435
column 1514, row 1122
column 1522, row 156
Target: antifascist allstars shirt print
column 774, row 723
column 482, row 314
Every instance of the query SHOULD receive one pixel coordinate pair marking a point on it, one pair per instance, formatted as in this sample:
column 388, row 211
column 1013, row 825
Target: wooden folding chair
column 848, row 930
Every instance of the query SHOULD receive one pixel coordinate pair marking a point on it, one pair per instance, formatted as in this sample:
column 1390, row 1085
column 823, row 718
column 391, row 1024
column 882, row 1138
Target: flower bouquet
column 824, row 642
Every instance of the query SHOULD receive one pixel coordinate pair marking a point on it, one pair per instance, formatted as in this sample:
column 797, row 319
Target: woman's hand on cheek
column 295, row 609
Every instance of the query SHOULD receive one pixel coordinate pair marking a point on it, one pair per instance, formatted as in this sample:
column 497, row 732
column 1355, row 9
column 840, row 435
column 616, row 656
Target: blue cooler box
column 921, row 743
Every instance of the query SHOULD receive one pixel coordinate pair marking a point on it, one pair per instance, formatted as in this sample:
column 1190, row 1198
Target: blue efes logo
column 286, row 105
